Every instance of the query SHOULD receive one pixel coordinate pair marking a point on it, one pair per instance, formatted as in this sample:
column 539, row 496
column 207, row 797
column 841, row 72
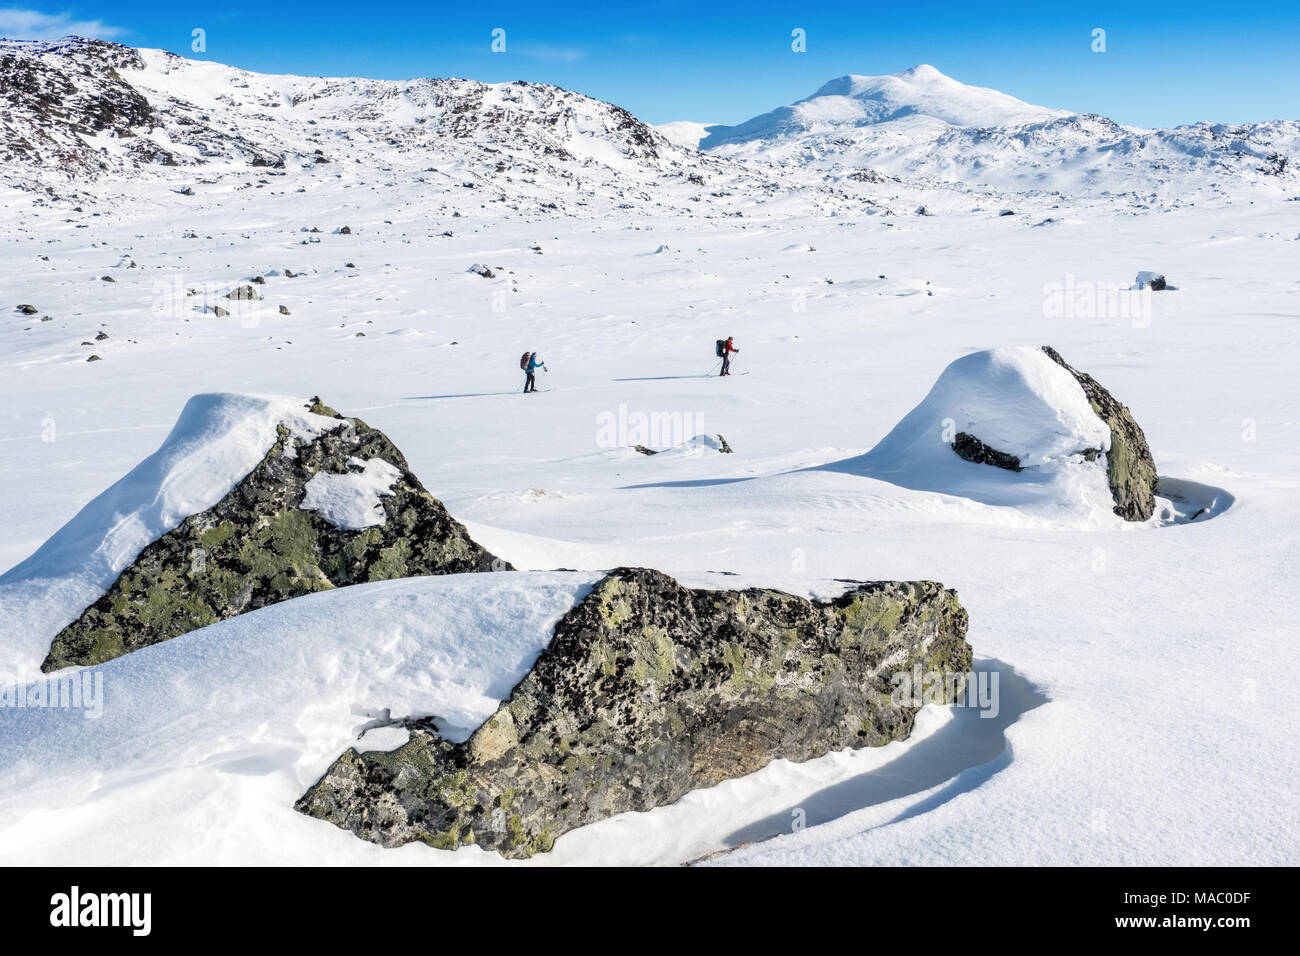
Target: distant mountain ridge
column 74, row 112
column 83, row 110
column 922, row 124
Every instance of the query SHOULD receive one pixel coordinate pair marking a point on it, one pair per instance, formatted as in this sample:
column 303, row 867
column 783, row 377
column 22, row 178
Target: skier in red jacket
column 727, row 349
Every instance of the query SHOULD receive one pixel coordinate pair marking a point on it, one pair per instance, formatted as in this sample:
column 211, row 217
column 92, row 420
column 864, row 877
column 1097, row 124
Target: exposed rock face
column 1130, row 469
column 71, row 104
column 972, row 449
column 257, row 546
column 647, row 691
column 61, row 95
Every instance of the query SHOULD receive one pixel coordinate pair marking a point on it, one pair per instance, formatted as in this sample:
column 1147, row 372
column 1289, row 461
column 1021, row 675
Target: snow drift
column 226, row 727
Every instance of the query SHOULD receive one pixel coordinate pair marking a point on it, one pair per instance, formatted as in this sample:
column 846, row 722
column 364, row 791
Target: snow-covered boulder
column 649, row 690
column 1151, row 280
column 1049, row 430
column 249, row 502
column 695, row 446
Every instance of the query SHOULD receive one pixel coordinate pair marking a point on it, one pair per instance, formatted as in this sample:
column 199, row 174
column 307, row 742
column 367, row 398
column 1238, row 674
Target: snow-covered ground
column 1146, row 714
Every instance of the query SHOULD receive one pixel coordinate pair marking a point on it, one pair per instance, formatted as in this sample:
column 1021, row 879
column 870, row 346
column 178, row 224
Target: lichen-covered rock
column 649, row 690
column 258, row 546
column 1130, row 469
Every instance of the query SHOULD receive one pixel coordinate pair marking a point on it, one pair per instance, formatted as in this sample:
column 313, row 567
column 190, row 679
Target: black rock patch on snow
column 972, row 449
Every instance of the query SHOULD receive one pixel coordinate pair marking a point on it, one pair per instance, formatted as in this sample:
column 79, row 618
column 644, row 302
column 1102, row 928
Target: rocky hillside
column 77, row 110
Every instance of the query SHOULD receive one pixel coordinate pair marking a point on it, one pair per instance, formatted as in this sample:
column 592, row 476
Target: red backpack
column 523, row 362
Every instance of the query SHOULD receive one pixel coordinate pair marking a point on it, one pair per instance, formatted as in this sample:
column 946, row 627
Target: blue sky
column 1165, row 62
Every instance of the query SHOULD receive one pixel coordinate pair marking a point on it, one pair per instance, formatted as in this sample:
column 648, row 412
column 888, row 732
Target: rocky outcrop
column 649, row 690
column 1130, row 469
column 258, row 546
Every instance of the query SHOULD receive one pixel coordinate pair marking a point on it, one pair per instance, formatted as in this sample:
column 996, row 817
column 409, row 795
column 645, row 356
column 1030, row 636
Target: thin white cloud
column 549, row 54
column 19, row 24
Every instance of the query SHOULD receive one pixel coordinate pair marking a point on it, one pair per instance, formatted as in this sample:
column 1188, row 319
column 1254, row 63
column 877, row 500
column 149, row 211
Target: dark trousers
column 531, row 384
column 726, row 363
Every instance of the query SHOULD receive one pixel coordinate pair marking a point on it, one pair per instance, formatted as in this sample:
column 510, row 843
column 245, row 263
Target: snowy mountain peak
column 855, row 101
column 853, row 84
column 922, row 70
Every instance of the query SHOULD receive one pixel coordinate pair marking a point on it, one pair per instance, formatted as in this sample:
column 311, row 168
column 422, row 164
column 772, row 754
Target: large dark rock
column 649, row 690
column 257, row 547
column 972, row 449
column 1130, row 469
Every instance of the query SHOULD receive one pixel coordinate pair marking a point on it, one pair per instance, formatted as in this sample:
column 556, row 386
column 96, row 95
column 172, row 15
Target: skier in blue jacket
column 530, row 384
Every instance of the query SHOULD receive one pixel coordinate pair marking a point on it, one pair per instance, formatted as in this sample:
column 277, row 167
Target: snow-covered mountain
column 849, row 102
column 78, row 110
column 922, row 124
